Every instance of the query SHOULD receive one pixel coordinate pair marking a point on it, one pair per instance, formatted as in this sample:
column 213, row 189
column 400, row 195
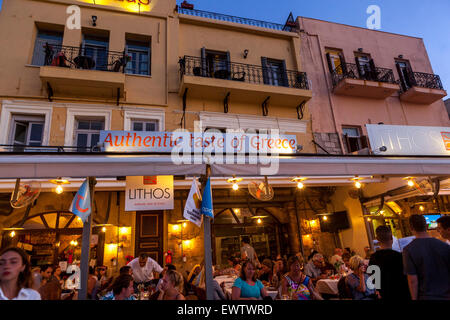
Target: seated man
column 313, row 268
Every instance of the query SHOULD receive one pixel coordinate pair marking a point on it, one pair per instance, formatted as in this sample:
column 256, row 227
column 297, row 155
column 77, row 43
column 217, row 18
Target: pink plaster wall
column 383, row 48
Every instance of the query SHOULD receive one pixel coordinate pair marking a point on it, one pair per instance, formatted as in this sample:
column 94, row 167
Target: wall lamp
column 245, row 53
column 360, row 49
column 400, row 56
column 94, row 21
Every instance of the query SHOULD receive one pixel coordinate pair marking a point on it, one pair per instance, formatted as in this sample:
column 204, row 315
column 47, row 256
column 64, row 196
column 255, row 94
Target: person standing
column 15, row 276
column 248, row 252
column 444, row 228
column 426, row 263
column 143, row 269
column 394, row 285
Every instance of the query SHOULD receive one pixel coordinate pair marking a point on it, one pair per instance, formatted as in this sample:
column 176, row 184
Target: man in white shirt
column 143, row 269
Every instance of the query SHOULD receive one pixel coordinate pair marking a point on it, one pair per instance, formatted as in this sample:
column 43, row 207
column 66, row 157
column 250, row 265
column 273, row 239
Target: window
column 96, row 47
column 140, row 57
column 335, row 60
column 353, row 139
column 274, row 72
column 87, row 133
column 366, row 66
column 27, row 130
column 53, row 38
column 144, row 125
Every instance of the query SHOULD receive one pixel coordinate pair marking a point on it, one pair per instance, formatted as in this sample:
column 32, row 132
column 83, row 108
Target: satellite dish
column 26, row 193
column 261, row 190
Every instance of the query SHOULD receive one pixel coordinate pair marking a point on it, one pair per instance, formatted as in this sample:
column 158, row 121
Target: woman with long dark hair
column 15, row 276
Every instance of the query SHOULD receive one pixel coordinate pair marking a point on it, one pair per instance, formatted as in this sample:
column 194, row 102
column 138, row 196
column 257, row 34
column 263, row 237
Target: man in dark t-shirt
column 426, row 263
column 394, row 285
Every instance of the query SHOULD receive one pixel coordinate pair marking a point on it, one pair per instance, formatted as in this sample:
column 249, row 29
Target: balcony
column 242, row 82
column 290, row 26
column 349, row 80
column 83, row 72
column 421, row 88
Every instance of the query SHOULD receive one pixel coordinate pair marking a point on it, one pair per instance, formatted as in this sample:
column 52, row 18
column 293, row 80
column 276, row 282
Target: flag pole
column 207, row 244
column 85, row 245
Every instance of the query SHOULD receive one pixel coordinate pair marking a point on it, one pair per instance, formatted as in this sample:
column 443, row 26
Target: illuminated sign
column 129, row 5
column 409, row 140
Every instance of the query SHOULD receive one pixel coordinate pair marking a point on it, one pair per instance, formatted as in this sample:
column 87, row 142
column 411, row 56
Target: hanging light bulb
column 234, row 181
column 410, row 183
column 59, row 189
column 368, row 219
column 422, row 208
column 235, row 186
column 12, row 234
column 259, row 221
column 104, row 229
column 358, row 184
column 325, row 218
column 299, row 181
column 300, row 185
column 184, row 224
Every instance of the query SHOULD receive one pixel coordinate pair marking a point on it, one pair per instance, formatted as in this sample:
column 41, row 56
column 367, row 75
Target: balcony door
column 96, row 47
column 274, row 72
column 366, row 67
column 405, row 73
column 54, row 39
column 216, row 63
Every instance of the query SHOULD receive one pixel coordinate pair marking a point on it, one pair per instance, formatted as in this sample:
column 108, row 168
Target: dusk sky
column 425, row 19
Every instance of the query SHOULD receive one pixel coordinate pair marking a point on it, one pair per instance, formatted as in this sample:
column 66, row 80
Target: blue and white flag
column 81, row 204
column 207, row 205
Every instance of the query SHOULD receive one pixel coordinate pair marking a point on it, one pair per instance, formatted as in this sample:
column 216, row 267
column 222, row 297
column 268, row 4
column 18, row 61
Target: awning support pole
column 207, row 245
column 85, row 245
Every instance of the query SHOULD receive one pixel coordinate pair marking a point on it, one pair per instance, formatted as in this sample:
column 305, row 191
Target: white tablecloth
column 327, row 286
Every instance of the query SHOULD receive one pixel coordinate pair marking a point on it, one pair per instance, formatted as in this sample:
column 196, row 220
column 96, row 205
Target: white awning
column 113, row 165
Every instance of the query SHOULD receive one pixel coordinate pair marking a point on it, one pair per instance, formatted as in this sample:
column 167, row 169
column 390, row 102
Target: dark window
column 353, row 139
column 97, row 48
column 87, row 133
column 53, row 38
column 274, row 72
column 27, row 131
column 145, row 125
column 140, row 57
column 217, row 64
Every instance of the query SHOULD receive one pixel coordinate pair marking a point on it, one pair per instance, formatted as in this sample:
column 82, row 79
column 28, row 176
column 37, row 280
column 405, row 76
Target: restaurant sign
column 138, row 141
column 149, row 193
column 129, row 5
column 409, row 140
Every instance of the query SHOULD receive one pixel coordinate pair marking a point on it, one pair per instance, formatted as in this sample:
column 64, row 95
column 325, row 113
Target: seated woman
column 265, row 274
column 122, row 289
column 246, row 287
column 357, row 280
column 172, row 282
column 295, row 284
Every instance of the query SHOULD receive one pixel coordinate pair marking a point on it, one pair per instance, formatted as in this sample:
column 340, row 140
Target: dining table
column 328, row 286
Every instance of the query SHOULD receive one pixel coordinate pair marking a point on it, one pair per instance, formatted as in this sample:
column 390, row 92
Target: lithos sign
column 149, row 193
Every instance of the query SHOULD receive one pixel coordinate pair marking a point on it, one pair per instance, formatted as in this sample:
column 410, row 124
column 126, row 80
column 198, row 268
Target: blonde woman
column 172, row 283
column 357, row 281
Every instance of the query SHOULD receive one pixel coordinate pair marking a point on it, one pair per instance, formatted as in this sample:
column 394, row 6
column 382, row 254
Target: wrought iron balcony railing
column 420, row 79
column 228, row 18
column 87, row 57
column 196, row 66
column 351, row 71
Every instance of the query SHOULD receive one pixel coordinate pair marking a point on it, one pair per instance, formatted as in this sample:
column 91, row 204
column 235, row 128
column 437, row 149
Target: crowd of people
column 420, row 272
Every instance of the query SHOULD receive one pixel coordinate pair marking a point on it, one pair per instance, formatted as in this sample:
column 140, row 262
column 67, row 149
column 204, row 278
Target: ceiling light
column 325, row 218
column 299, row 181
column 59, row 189
column 422, row 208
column 259, row 221
column 59, row 182
column 356, row 181
column 104, row 229
column 234, row 181
column 12, row 234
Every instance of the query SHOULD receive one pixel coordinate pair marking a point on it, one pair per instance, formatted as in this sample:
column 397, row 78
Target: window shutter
column 284, row 74
column 229, row 65
column 347, row 143
column 330, row 65
column 203, row 62
column 410, row 76
column 265, row 70
column 364, row 142
column 358, row 65
column 373, row 70
column 343, row 63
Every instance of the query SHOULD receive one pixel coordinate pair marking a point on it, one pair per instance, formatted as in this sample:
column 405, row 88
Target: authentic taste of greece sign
column 138, row 141
column 409, row 140
column 149, row 193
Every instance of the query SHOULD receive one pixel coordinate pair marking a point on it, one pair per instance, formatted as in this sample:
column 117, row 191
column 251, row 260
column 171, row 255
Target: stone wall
column 328, row 141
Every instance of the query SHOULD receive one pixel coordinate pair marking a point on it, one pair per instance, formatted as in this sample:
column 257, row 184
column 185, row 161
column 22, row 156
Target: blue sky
column 427, row 19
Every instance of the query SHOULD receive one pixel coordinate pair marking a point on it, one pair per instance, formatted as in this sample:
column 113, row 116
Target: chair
column 200, row 293
column 197, row 71
column 344, row 290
